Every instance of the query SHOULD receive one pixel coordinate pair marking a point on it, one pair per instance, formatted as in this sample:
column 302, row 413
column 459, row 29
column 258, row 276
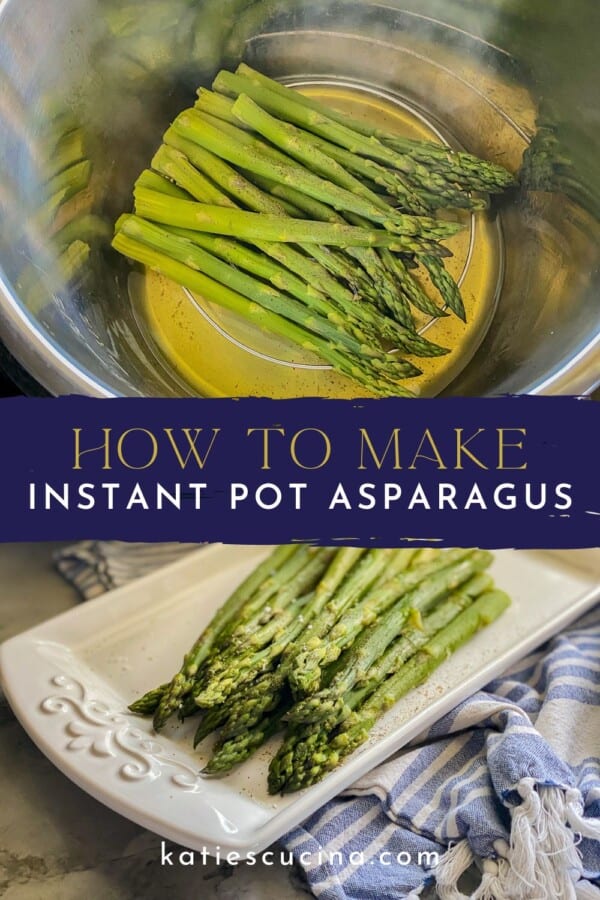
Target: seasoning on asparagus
column 386, row 619
column 355, row 730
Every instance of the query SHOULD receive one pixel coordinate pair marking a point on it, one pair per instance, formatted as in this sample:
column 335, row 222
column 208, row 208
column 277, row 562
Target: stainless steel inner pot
column 489, row 73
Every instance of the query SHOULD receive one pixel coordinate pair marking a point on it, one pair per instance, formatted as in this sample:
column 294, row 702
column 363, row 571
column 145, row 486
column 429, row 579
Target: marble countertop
column 56, row 842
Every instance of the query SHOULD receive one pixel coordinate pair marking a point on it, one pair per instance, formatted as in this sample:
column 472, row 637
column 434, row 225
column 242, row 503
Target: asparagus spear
column 211, row 720
column 36, row 286
column 257, row 200
column 242, row 736
column 263, row 696
column 69, row 150
column 254, row 226
column 243, row 731
column 369, row 650
column 302, row 741
column 255, row 649
column 265, row 693
column 231, row 181
column 70, row 181
column 413, row 290
column 384, row 293
column 249, row 195
column 181, row 683
column 290, row 110
column 305, row 148
column 88, row 228
column 236, row 750
column 446, row 285
column 147, row 704
column 444, row 573
column 330, row 160
column 412, row 197
column 345, row 326
column 242, row 607
column 354, row 730
column 194, row 184
column 306, row 151
column 366, row 371
column 415, row 637
column 324, row 322
column 465, row 166
column 190, row 124
column 156, row 182
column 373, row 278
column 252, row 613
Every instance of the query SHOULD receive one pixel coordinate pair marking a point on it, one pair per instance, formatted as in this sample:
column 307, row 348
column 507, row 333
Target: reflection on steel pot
column 87, row 87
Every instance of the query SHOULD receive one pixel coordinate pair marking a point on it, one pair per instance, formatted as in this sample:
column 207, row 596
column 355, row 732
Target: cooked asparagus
column 354, row 731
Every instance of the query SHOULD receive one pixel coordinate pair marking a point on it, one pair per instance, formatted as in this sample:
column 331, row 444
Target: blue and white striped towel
column 508, row 781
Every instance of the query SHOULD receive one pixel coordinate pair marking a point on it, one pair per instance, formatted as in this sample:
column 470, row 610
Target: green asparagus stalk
column 370, row 648
column 232, row 182
column 251, row 226
column 146, row 705
column 235, row 184
column 268, row 693
column 376, row 209
column 354, row 730
column 182, row 682
column 373, row 278
column 446, row 285
column 363, row 370
column 36, row 287
column 265, row 693
column 193, row 126
column 444, row 573
column 302, row 147
column 463, row 166
column 235, row 750
column 156, row 182
column 384, row 292
column 240, row 255
column 290, row 110
column 173, row 164
column 220, row 107
column 303, row 740
column 355, row 326
column 88, row 228
column 251, row 604
column 70, row 181
column 413, row 291
column 325, row 323
column 246, row 710
column 254, row 651
column 245, row 192
column 330, row 160
column 69, row 150
column 211, row 720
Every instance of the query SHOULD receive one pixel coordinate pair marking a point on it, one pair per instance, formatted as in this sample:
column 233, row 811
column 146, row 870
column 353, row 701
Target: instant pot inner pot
column 112, row 76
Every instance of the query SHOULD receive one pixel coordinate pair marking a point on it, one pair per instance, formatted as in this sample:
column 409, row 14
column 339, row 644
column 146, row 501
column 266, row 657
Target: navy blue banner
column 509, row 472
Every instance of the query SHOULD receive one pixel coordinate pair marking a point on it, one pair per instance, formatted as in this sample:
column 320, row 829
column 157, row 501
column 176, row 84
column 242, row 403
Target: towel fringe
column 542, row 856
column 541, row 861
column 588, row 828
column 452, row 864
column 493, row 879
column 585, row 890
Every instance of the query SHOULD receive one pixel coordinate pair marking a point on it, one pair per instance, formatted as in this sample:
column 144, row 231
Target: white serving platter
column 69, row 682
